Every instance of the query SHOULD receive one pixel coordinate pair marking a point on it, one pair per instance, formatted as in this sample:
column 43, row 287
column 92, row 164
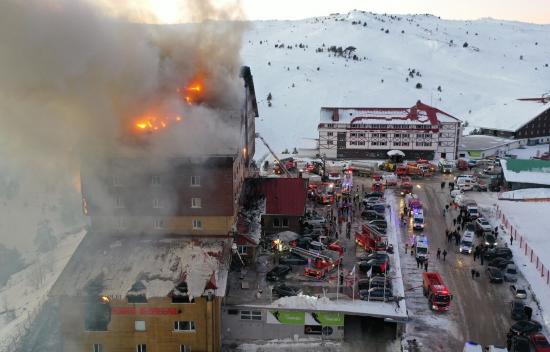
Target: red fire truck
column 377, row 187
column 406, row 188
column 370, row 240
column 320, row 262
column 401, row 170
column 439, row 297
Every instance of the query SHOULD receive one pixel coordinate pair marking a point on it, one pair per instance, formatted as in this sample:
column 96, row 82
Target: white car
column 466, row 243
column 315, row 221
column 456, row 192
column 483, row 224
column 518, row 291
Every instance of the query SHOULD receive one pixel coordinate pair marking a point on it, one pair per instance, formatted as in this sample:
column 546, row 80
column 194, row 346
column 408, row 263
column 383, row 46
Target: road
column 479, row 310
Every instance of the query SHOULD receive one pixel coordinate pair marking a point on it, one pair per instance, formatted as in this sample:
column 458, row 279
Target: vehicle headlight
column 434, row 307
column 470, row 250
column 486, row 243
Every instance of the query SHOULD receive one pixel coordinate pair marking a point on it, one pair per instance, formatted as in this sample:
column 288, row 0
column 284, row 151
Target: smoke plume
column 75, row 76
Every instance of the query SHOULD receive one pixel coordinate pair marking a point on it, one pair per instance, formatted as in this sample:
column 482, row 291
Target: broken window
column 136, row 294
column 97, row 315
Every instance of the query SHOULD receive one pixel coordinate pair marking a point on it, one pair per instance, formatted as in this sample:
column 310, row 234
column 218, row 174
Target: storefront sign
column 286, row 317
column 144, row 311
column 328, row 318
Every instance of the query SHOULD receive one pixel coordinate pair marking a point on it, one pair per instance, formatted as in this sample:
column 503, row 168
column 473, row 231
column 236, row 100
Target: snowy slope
column 489, row 71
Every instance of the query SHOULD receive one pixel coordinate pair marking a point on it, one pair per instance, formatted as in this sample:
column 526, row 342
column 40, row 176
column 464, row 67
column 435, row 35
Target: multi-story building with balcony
column 420, row 131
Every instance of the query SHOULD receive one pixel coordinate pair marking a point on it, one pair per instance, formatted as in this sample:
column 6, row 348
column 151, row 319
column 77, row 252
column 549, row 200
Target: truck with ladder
column 439, row 296
column 319, row 262
column 370, row 239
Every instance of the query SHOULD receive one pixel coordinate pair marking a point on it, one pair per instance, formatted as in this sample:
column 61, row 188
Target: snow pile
column 529, row 151
column 526, row 194
column 115, row 266
column 306, row 345
column 302, row 302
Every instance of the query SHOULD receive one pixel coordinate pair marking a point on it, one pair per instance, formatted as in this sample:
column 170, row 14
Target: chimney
column 335, row 117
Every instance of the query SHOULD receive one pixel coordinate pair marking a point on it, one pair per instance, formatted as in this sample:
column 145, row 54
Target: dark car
column 292, row 259
column 283, row 290
column 518, row 310
column 480, row 187
column 378, row 207
column 525, row 327
column 278, row 272
column 372, row 215
column 501, row 252
column 495, row 275
column 519, row 344
column 304, row 242
column 374, row 194
column 490, row 240
column 376, row 294
column 378, row 266
column 365, row 256
column 382, row 224
column 500, row 263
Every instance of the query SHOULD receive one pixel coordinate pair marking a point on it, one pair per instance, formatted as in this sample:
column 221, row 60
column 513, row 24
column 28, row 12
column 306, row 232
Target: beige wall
column 159, row 335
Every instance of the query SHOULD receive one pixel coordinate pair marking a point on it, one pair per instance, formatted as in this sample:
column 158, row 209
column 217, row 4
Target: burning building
column 151, row 272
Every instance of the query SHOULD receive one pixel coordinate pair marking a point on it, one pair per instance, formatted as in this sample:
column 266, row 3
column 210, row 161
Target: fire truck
column 439, row 297
column 377, row 187
column 412, row 201
column 401, row 170
column 406, row 187
column 319, row 262
column 325, row 193
column 462, row 164
column 370, row 240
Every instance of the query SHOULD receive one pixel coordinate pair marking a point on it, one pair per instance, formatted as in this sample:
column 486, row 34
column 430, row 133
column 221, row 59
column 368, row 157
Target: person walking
column 417, row 263
column 426, row 265
column 442, row 184
column 473, row 272
column 457, row 239
column 528, row 312
column 438, row 253
column 454, row 222
column 406, row 247
column 444, row 254
column 511, row 239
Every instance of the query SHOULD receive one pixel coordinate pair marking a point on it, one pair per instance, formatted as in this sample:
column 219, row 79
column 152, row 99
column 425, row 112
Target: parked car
column 518, row 291
column 518, row 310
column 490, row 239
column 372, row 200
column 500, row 263
column 376, row 294
column 510, row 273
column 382, row 224
column 380, row 281
column 374, row 194
column 472, row 212
column 456, row 192
column 378, row 207
column 501, row 252
column 482, row 224
column 283, row 290
column 278, row 272
column 540, row 343
column 480, row 186
column 519, row 344
column 378, row 265
column 304, row 242
column 315, row 221
column 495, row 276
column 372, row 215
column 368, row 256
column 525, row 327
column 292, row 259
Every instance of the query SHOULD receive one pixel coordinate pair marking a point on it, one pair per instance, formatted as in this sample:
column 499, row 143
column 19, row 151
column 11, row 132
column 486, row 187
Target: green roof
column 518, row 165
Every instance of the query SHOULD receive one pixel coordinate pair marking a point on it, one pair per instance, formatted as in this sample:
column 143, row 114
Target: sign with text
column 144, row 311
column 286, row 317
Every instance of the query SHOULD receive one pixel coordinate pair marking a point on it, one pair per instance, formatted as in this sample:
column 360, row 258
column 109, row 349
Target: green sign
column 474, row 154
column 288, row 317
column 328, row 318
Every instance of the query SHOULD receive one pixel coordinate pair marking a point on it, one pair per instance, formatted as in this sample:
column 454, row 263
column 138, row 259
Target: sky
column 535, row 11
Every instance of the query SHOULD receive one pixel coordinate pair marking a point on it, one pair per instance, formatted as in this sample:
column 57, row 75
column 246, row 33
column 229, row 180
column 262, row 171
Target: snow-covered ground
column 502, row 61
column 26, row 291
column 307, row 345
column 529, row 151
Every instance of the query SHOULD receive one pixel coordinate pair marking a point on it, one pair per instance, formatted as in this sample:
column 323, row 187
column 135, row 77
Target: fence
column 525, row 248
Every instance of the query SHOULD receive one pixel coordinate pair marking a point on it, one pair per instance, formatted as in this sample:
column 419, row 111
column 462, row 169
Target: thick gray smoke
column 74, row 79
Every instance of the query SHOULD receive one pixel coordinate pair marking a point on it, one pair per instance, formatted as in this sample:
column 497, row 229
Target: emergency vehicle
column 406, row 187
column 435, row 290
column 418, row 219
column 319, row 262
column 370, row 240
column 421, row 247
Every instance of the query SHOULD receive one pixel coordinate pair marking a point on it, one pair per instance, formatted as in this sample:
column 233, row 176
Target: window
column 375, row 135
column 423, row 144
column 285, row 222
column 383, row 135
column 141, row 348
column 195, row 181
column 195, row 202
column 242, row 250
column 330, row 125
column 383, row 143
column 155, row 180
column 396, row 135
column 184, row 348
column 182, row 325
column 119, row 203
column 352, row 143
column 251, row 315
column 362, row 135
column 353, row 134
column 405, row 144
column 405, row 135
column 276, row 222
column 157, row 203
column 197, row 224
column 330, row 142
column 158, row 224
column 121, row 223
column 361, row 143
column 97, row 347
column 139, row 325
column 374, row 143
column 397, row 144
column 330, row 134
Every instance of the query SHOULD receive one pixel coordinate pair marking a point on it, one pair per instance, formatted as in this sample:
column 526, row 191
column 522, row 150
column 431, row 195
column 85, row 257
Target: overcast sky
column 537, row 11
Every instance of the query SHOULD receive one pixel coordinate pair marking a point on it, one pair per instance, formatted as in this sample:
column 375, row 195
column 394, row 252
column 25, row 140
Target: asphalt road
column 479, row 310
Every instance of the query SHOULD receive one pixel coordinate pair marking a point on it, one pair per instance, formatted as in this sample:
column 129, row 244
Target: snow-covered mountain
column 475, row 63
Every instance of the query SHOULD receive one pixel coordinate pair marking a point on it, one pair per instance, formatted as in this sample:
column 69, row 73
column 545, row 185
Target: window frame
column 97, row 347
column 142, row 347
column 185, row 348
column 155, row 180
column 158, row 224
column 195, row 181
column 283, row 221
column 178, row 326
column 276, row 222
column 250, row 315
column 196, row 203
column 197, row 224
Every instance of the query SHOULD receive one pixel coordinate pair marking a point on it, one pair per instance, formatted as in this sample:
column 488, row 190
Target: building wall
column 235, row 329
column 538, row 127
column 159, row 323
column 269, row 227
column 341, row 141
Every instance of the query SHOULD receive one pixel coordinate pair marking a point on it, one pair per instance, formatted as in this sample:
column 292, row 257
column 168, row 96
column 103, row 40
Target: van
column 466, row 177
column 471, row 346
column 493, row 348
column 421, row 247
column 466, row 243
column 418, row 219
column 465, row 184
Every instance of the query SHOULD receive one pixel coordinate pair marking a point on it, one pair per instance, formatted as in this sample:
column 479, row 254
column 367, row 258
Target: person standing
column 444, row 254
column 438, row 253
column 511, row 239
column 528, row 312
column 426, row 265
column 473, row 272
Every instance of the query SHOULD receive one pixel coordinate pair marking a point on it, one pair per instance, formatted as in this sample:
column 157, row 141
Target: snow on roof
column 419, row 114
column 526, row 194
column 508, row 115
column 483, row 142
column 249, row 224
column 115, row 265
column 526, row 171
